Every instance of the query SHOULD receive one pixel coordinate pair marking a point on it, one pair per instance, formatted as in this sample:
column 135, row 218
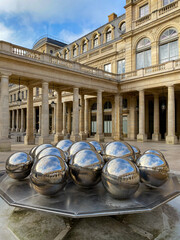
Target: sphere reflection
column 121, row 178
column 18, row 165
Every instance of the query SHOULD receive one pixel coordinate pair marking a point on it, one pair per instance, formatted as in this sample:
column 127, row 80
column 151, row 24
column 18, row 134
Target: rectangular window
column 107, row 123
column 11, row 99
column 144, row 10
column 74, row 52
column 95, row 42
column 169, row 52
column 121, row 66
column 22, row 94
column 107, row 67
column 143, row 59
column 108, row 36
column 166, row 2
column 14, row 97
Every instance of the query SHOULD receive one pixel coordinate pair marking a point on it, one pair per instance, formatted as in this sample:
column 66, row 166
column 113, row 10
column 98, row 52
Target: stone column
column 54, row 119
column 22, row 120
column 99, row 133
column 156, row 135
column 40, row 115
column 59, row 121
column 34, row 119
column 64, row 119
column 5, row 144
column 29, row 138
column 132, row 118
column 147, row 117
column 86, row 118
column 17, row 120
column 45, row 115
column 118, row 117
column 141, row 137
column 75, row 126
column 171, row 137
column 69, row 119
column 12, row 121
column 82, row 133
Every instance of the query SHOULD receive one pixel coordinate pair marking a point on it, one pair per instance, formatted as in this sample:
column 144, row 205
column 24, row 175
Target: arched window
column 123, row 27
column 143, row 53
column 108, row 35
column 74, row 51
column 94, row 106
column 84, row 46
column 168, row 45
column 107, row 105
column 95, row 41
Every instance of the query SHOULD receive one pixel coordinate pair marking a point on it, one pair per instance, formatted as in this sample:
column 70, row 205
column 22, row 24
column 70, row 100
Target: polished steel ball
column 154, row 151
column 120, row 178
column 76, row 147
column 18, row 165
column 52, row 151
column 137, row 152
column 118, row 149
column 40, row 148
column 154, row 169
column 85, row 168
column 32, row 151
column 98, row 146
column 49, row 175
column 64, row 144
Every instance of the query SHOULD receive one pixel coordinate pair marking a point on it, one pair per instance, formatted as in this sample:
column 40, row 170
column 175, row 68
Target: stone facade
column 137, row 97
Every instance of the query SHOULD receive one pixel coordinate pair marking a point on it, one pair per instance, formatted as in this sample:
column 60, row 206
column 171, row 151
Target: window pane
column 121, row 66
column 107, row 67
column 139, row 60
column 147, row 58
column 144, row 10
column 124, row 125
column 166, row 2
column 174, row 52
column 143, row 59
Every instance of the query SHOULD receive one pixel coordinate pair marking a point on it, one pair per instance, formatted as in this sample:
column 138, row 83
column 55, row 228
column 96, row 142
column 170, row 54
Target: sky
column 23, row 22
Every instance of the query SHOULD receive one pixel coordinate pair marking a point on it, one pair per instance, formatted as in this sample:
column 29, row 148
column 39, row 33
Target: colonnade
column 80, row 116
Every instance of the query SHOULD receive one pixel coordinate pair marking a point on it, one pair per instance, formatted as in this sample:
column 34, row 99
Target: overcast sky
column 22, row 22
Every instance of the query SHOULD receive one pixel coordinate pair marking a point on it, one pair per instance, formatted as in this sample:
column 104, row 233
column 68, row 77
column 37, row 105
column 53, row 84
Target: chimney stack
column 112, row 17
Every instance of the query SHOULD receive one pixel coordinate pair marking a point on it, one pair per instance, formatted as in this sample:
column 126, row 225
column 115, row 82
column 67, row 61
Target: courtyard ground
column 160, row 224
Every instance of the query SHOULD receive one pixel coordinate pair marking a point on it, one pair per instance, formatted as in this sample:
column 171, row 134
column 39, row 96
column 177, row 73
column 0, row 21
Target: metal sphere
column 76, row 147
column 85, row 168
column 118, row 149
column 153, row 151
column 52, row 151
column 49, row 175
column 121, row 178
column 64, row 144
column 98, row 146
column 32, row 151
column 40, row 148
column 154, row 169
column 137, row 152
column 18, row 165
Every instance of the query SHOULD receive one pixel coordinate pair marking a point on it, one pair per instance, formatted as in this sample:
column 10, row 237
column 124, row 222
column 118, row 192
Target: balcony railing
column 168, row 7
column 46, row 58
column 143, row 19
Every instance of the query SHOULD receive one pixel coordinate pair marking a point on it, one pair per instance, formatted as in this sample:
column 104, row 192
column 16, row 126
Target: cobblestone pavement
column 160, row 224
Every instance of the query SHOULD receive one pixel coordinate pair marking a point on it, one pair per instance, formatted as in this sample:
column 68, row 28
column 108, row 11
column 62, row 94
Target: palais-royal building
column 122, row 80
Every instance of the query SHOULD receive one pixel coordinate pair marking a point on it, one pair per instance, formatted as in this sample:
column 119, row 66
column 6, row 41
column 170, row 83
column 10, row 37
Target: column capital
column 170, row 85
column 5, row 74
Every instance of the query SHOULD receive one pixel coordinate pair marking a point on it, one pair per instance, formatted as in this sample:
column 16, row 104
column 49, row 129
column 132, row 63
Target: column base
column 75, row 138
column 117, row 137
column 141, row 137
column 58, row 137
column 5, row 145
column 171, row 139
column 99, row 137
column 156, row 137
column 83, row 136
column 12, row 129
column 22, row 130
column 29, row 140
column 44, row 140
column 17, row 129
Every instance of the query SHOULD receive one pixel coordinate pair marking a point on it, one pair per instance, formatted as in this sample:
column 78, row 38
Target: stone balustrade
column 168, row 7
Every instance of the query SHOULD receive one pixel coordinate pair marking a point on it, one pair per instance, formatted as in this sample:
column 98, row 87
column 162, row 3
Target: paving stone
column 101, row 228
column 34, row 225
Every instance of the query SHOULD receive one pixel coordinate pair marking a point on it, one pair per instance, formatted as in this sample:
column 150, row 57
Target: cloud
column 6, row 33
